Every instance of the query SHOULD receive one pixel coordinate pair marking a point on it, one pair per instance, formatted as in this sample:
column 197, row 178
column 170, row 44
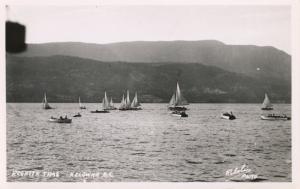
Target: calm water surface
column 147, row 145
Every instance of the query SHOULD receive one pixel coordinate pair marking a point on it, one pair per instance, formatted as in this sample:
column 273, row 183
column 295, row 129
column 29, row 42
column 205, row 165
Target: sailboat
column 266, row 105
column 105, row 104
column 80, row 105
column 46, row 106
column 135, row 105
column 111, row 105
column 125, row 103
column 177, row 101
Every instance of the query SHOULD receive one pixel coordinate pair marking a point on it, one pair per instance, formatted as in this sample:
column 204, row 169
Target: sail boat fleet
column 176, row 106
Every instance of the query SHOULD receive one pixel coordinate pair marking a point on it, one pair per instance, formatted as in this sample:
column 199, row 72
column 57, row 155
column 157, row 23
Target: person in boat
column 183, row 113
column 66, row 117
column 177, row 112
column 61, row 118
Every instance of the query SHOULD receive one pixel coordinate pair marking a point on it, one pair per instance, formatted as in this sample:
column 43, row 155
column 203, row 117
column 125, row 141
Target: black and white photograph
column 148, row 93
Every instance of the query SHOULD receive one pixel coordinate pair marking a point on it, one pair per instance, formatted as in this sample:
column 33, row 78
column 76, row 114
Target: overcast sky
column 256, row 25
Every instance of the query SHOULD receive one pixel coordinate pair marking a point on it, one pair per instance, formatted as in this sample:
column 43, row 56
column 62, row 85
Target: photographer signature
column 243, row 173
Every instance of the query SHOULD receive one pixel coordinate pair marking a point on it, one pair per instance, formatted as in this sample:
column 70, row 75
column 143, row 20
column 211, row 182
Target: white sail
column 80, row 105
column 127, row 101
column 105, row 103
column 111, row 104
column 178, row 94
column 179, row 100
column 267, row 102
column 172, row 101
column 123, row 104
column 45, row 102
column 135, row 103
column 45, row 98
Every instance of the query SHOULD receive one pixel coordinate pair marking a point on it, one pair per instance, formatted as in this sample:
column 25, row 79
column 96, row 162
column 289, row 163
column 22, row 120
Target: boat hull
column 275, row 118
column 266, row 108
column 47, row 108
column 100, row 111
column 55, row 120
column 113, row 108
column 176, row 115
column 179, row 114
column 83, row 108
column 228, row 117
column 178, row 108
column 137, row 108
column 125, row 109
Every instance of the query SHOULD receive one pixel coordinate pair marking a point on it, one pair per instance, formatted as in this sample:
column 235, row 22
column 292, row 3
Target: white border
column 295, row 97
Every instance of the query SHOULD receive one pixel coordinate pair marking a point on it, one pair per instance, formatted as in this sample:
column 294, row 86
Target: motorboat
column 228, row 116
column 60, row 120
column 77, row 115
column 274, row 117
column 179, row 114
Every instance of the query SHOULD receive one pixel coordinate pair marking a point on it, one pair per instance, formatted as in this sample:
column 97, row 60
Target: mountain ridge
column 64, row 78
column 254, row 61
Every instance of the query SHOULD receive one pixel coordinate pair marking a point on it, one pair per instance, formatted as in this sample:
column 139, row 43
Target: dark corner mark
column 15, row 37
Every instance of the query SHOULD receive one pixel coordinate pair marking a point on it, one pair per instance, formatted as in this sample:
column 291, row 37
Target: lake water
column 146, row 145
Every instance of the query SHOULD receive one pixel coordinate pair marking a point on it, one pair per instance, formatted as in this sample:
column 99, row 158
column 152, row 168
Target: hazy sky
column 256, row 25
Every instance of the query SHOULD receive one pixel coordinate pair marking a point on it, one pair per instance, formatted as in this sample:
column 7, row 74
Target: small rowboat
column 56, row 120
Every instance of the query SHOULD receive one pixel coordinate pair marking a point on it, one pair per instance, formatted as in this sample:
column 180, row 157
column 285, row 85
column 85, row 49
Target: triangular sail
column 81, row 106
column 179, row 99
column 172, row 101
column 267, row 102
column 45, row 98
column 105, row 103
column 135, row 103
column 123, row 104
column 127, row 101
column 45, row 102
column 111, row 103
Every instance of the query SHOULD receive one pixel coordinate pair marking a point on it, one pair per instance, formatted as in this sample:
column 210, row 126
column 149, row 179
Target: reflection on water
column 147, row 145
